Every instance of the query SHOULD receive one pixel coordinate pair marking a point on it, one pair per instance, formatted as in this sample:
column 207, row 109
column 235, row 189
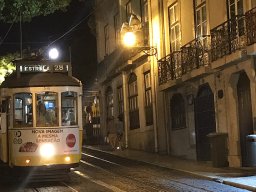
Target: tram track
column 58, row 186
column 123, row 178
column 35, row 190
column 148, row 186
column 154, row 178
column 68, row 186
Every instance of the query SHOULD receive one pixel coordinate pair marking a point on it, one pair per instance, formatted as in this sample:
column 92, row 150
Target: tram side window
column 69, row 108
column 23, row 113
column 46, row 109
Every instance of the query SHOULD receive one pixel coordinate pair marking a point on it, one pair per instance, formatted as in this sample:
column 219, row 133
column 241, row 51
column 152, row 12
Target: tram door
column 244, row 107
column 205, row 121
column 3, row 131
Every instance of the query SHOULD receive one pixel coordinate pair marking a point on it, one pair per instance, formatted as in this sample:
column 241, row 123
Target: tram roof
column 38, row 80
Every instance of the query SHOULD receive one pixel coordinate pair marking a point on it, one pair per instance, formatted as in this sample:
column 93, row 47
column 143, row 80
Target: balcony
column 250, row 19
column 228, row 37
column 191, row 56
column 169, row 67
column 195, row 54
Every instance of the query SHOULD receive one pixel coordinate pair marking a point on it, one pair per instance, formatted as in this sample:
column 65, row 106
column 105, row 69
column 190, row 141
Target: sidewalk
column 244, row 178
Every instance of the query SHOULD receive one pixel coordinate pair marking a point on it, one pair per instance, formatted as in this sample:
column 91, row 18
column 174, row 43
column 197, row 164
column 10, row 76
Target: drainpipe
column 154, row 74
column 154, row 102
column 125, row 95
column 154, row 91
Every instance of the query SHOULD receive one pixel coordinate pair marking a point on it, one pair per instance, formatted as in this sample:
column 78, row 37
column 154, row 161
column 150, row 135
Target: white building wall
column 230, row 77
column 222, row 76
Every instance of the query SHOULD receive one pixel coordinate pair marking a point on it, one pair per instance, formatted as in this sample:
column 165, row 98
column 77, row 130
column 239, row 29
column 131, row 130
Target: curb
column 241, row 186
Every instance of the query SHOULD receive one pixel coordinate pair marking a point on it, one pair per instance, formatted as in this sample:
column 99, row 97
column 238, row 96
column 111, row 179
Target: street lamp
column 53, row 53
column 131, row 36
column 129, row 39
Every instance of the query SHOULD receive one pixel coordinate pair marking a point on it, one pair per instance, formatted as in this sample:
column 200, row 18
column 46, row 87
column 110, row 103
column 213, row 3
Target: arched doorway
column 245, row 113
column 204, row 121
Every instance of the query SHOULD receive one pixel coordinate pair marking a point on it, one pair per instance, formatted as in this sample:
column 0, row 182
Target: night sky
column 45, row 30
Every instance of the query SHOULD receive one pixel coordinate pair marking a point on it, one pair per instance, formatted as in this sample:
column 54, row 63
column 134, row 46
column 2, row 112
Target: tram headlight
column 27, row 161
column 47, row 150
column 67, row 159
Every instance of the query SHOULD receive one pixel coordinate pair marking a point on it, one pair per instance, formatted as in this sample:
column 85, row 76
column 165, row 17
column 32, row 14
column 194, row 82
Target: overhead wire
column 24, row 42
column 72, row 28
column 1, row 42
column 63, row 35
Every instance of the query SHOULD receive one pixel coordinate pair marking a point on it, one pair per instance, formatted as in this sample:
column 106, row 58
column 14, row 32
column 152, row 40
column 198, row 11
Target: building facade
column 200, row 82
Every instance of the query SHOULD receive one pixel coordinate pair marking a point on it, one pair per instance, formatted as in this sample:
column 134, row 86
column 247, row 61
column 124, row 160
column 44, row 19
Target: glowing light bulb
column 129, row 39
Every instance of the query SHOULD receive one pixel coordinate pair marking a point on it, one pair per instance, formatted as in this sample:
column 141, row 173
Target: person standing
column 120, row 132
column 112, row 133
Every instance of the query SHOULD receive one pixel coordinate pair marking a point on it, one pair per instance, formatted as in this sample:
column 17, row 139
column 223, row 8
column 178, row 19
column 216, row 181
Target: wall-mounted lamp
column 131, row 36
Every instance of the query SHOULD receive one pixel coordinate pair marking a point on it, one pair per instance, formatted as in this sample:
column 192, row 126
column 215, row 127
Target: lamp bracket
column 149, row 51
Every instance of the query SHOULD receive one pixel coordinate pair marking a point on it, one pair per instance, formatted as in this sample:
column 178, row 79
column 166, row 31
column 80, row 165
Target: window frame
column 145, row 21
column 110, row 103
column 65, row 121
column 26, row 119
column 237, row 23
column 237, row 10
column 148, row 101
column 106, row 39
column 201, row 24
column 117, row 27
column 174, row 27
column 46, row 115
column 120, row 99
column 133, row 102
column 177, row 112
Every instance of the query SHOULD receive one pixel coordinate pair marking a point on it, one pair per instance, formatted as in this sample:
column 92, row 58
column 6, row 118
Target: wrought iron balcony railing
column 250, row 19
column 169, row 67
column 192, row 56
column 195, row 54
column 228, row 37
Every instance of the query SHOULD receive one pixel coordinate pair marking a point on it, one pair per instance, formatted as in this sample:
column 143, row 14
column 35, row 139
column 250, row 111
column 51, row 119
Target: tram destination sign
column 43, row 67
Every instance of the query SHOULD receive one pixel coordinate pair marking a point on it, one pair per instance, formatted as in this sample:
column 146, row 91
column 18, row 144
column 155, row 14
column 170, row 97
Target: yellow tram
column 41, row 116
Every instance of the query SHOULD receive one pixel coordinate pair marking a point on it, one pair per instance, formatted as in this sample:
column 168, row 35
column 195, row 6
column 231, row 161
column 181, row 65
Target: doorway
column 244, row 107
column 204, row 121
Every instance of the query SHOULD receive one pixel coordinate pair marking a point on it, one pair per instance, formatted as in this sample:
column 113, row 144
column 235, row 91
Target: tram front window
column 69, row 108
column 23, row 113
column 46, row 109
